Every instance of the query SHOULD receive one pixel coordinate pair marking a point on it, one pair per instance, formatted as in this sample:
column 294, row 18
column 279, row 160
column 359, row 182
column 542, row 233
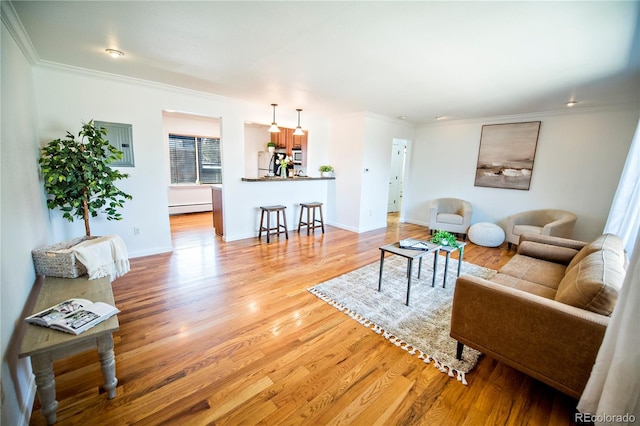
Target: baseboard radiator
column 190, row 208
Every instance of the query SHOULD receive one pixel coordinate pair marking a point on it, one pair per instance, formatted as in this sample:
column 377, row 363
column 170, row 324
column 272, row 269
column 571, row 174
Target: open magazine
column 413, row 244
column 73, row 316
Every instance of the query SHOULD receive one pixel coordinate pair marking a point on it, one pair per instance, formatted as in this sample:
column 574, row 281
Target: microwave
column 297, row 156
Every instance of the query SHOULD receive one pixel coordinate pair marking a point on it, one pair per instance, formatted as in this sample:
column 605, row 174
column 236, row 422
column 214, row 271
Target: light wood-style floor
column 226, row 333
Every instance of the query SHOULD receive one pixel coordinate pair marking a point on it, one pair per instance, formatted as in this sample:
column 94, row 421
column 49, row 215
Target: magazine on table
column 413, row 244
column 73, row 316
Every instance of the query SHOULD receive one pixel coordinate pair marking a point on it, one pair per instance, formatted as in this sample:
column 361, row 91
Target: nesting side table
column 448, row 250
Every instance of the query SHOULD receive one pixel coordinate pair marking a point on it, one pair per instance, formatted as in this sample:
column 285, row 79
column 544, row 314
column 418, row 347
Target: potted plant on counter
column 271, row 146
column 326, row 171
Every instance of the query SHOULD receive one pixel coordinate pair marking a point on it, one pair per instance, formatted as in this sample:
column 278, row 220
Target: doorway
column 396, row 175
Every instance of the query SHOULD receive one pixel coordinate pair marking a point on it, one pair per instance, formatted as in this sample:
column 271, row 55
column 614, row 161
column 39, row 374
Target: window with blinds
column 195, row 159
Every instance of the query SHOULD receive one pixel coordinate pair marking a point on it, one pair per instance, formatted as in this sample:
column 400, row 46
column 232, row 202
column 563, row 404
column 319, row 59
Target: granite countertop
column 279, row 179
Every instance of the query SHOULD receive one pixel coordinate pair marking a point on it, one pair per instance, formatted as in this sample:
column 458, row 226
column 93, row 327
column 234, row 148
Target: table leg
column 42, row 366
column 461, row 252
column 436, row 254
column 108, row 364
column 381, row 267
column 446, row 269
column 410, row 266
column 419, row 266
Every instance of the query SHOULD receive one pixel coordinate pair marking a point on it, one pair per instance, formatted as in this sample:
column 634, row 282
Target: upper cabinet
column 287, row 141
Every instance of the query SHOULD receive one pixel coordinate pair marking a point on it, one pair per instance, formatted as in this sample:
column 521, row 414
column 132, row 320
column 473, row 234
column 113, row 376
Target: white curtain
column 624, row 215
column 612, row 394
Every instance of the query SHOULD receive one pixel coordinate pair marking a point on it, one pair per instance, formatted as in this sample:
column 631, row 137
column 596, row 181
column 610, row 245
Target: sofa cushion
column 534, row 270
column 526, row 229
column 524, row 285
column 450, row 218
column 594, row 282
column 609, row 242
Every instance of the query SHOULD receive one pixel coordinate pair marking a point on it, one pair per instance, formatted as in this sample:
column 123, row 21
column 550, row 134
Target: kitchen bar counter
column 279, row 179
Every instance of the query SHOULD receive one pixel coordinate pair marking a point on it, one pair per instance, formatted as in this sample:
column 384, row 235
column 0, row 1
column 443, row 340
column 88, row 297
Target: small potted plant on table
column 444, row 238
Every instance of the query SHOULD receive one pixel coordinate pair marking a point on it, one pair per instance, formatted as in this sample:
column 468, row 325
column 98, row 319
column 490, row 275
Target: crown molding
column 534, row 115
column 13, row 24
column 71, row 69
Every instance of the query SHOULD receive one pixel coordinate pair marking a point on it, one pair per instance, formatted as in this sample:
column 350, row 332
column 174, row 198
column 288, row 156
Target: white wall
column 24, row 224
column 66, row 96
column 360, row 151
column 255, row 139
column 578, row 161
column 379, row 135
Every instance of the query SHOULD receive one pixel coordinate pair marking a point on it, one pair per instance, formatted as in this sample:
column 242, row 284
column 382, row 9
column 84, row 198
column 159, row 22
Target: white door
column 395, row 178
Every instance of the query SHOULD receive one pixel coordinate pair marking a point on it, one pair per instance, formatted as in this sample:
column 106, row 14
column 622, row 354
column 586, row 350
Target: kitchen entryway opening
column 193, row 160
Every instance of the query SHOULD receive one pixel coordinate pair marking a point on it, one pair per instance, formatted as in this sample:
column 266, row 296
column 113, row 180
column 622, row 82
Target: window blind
column 194, row 159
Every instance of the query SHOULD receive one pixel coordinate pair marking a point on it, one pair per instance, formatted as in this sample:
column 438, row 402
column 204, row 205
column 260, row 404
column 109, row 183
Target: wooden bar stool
column 279, row 228
column 312, row 222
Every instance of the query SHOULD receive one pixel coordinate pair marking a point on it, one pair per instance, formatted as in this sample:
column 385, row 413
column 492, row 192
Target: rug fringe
column 460, row 375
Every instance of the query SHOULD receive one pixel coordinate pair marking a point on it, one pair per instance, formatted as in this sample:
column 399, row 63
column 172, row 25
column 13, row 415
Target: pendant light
column 274, row 127
column 298, row 131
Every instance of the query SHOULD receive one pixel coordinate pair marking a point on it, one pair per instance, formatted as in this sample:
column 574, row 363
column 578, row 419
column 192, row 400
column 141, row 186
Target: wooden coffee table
column 410, row 255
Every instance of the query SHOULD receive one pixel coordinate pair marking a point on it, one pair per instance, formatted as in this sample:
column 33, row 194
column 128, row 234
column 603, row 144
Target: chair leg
column 284, row 219
column 300, row 219
column 321, row 220
column 261, row 225
column 268, row 225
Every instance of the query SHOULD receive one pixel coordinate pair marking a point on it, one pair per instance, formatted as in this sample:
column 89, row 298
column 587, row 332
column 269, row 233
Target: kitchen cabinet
column 287, row 141
column 216, row 204
column 283, row 139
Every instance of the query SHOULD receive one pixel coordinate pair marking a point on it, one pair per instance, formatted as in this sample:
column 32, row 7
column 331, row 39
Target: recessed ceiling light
column 114, row 53
column 440, row 117
column 571, row 103
column 403, row 117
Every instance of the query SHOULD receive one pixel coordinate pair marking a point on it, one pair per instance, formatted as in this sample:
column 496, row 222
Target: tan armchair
column 557, row 223
column 451, row 215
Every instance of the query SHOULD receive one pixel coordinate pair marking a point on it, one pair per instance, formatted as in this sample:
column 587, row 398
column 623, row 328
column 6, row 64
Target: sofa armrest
column 562, row 227
column 548, row 340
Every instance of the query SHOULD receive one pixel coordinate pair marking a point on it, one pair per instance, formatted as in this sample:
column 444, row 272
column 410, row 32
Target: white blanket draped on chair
column 103, row 256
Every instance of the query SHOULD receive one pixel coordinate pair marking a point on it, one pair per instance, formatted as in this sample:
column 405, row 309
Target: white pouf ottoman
column 486, row 234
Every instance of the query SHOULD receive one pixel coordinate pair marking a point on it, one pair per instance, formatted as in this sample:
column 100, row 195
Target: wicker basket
column 58, row 261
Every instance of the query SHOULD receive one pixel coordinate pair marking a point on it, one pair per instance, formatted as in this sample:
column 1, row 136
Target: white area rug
column 422, row 328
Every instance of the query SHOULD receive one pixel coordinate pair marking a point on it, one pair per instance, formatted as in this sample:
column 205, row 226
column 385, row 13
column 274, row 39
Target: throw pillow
column 593, row 284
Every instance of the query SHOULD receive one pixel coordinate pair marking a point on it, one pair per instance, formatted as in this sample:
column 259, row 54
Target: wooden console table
column 45, row 345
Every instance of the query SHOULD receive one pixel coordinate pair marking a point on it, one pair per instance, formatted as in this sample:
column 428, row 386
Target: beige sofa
column 545, row 312
column 558, row 223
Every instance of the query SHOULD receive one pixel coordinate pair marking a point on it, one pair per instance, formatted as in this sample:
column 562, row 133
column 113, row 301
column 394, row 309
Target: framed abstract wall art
column 506, row 154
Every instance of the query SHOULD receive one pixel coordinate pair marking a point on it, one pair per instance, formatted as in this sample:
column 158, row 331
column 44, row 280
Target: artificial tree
column 77, row 176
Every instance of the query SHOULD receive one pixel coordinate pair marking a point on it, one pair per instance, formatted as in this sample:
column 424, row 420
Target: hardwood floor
column 226, row 333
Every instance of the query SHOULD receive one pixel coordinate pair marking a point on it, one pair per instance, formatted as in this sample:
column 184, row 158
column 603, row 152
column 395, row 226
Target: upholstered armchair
column 451, row 215
column 557, row 223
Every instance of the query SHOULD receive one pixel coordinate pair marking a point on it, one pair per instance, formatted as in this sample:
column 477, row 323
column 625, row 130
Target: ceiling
column 416, row 59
